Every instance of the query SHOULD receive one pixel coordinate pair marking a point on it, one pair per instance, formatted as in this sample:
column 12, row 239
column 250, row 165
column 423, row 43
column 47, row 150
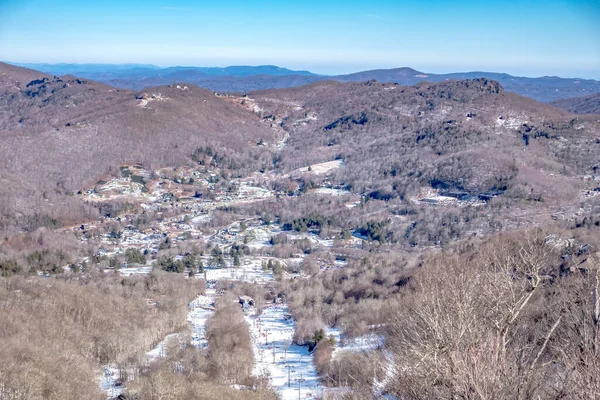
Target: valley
column 331, row 241
column 188, row 225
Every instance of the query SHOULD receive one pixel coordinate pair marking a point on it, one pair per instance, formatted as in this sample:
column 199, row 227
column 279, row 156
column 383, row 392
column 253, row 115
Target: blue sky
column 530, row 38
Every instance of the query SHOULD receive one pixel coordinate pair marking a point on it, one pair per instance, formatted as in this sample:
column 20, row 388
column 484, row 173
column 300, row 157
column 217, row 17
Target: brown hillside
column 458, row 136
column 580, row 105
column 59, row 135
column 466, row 138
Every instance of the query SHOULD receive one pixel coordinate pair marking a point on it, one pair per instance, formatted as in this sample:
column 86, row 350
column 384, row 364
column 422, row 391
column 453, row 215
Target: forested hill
column 580, row 105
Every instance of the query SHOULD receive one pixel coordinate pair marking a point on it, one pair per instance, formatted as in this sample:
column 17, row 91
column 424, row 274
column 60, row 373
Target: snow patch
column 509, row 122
column 330, row 191
column 321, row 168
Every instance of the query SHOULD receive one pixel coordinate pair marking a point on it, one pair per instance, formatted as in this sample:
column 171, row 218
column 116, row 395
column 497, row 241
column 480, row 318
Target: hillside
column 467, row 139
column 580, row 105
column 60, row 135
column 225, row 84
column 543, row 89
column 470, row 140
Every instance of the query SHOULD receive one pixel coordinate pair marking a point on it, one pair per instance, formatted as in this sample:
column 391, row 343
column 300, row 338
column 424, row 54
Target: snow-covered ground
column 272, row 332
column 275, row 355
column 108, row 381
column 314, row 238
column 390, row 371
column 369, row 342
column 433, row 197
column 330, row 191
column 250, row 272
column 200, row 311
column 262, row 235
column 129, row 271
column 319, row 169
column 510, row 122
column 160, row 350
column 352, row 204
column 200, row 218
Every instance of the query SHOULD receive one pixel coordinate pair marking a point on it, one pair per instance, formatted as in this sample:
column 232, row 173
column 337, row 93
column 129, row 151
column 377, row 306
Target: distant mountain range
column 141, row 71
column 252, row 78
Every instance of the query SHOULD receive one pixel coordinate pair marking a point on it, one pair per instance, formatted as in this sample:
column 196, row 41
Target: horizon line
column 164, row 66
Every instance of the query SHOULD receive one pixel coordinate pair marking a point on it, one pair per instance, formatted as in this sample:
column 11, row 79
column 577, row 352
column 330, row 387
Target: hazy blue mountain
column 262, row 77
column 140, row 71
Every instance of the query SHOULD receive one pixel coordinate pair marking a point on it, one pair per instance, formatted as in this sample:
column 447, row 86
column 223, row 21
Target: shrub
column 9, row 267
column 229, row 346
column 169, row 264
column 135, row 256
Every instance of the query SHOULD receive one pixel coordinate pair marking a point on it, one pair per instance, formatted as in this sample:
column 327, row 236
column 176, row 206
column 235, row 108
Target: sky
column 527, row 38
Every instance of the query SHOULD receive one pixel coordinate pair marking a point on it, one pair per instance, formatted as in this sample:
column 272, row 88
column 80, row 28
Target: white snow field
column 330, row 191
column 200, row 311
column 160, row 350
column 368, row 342
column 318, row 169
column 129, row 271
column 108, row 381
column 275, row 355
column 251, row 272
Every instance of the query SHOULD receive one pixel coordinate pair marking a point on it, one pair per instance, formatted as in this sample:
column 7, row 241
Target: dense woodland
column 56, row 333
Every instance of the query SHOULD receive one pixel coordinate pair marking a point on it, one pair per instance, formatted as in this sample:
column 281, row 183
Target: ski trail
column 390, row 371
column 201, row 309
column 290, row 367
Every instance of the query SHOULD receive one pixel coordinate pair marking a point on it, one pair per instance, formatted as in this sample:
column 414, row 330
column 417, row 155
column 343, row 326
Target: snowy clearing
column 251, row 272
column 108, row 381
column 510, row 122
column 276, row 356
column 200, row 311
column 129, row 271
column 319, row 169
column 160, row 350
column 330, row 191
column 368, row 342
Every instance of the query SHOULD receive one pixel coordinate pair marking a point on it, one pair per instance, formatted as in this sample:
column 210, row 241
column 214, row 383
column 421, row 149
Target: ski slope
column 201, row 309
column 272, row 334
